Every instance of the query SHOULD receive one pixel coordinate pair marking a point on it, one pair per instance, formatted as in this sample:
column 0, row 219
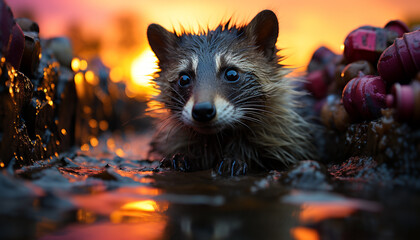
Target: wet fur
column 271, row 134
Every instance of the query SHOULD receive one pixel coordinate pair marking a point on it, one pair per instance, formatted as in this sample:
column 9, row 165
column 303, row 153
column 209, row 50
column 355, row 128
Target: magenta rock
column 401, row 61
column 317, row 84
column 17, row 45
column 406, row 101
column 367, row 43
column 397, row 26
column 363, row 97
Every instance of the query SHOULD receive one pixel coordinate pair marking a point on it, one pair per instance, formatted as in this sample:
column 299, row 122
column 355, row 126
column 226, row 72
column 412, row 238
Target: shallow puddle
column 106, row 193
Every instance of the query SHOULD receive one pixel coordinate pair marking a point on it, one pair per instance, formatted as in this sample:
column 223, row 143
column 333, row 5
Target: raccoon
column 230, row 106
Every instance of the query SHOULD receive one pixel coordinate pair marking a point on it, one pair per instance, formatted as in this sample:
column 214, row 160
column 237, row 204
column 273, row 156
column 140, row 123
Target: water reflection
column 304, row 233
column 122, row 198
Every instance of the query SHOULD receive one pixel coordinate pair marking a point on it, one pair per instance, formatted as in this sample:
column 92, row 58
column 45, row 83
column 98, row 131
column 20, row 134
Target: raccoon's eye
column 231, row 75
column 184, row 80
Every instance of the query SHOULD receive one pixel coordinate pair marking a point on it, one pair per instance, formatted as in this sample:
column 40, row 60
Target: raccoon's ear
column 264, row 29
column 161, row 41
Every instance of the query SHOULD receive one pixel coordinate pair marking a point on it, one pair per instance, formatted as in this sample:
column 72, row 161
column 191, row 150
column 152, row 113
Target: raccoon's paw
column 231, row 167
column 179, row 162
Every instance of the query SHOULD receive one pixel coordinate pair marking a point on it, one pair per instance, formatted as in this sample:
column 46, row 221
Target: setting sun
column 142, row 70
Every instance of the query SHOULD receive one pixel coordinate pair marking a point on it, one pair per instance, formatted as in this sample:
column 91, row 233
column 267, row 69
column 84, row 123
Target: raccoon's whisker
column 179, row 94
column 252, row 119
column 175, row 127
column 174, row 107
column 243, row 93
column 246, row 125
column 269, row 109
column 245, row 99
column 177, row 100
column 253, row 109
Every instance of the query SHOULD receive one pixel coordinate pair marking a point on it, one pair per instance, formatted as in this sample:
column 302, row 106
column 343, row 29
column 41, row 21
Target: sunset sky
column 304, row 25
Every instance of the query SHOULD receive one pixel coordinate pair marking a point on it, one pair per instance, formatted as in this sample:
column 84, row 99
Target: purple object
column 317, row 84
column 401, row 61
column 6, row 25
column 367, row 43
column 406, row 101
column 321, row 57
column 397, row 26
column 363, row 97
column 17, row 45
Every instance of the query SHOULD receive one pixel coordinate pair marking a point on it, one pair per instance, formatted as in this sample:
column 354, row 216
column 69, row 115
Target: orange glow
column 110, row 143
column 2, row 164
column 83, row 65
column 303, row 233
column 116, row 74
column 87, row 109
column 84, row 147
column 103, row 125
column 120, row 152
column 63, row 131
column 93, row 123
column 142, row 70
column 315, row 212
column 78, row 79
column 94, row 142
column 91, row 78
column 146, row 205
column 156, row 109
column 75, row 64
column 140, row 211
column 84, row 216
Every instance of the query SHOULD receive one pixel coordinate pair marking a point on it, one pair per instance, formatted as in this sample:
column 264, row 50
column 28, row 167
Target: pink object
column 367, row 43
column 363, row 97
column 401, row 61
column 317, row 84
column 17, row 45
column 397, row 26
column 406, row 101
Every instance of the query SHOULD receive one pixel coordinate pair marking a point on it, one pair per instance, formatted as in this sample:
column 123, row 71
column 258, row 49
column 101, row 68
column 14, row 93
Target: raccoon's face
column 208, row 81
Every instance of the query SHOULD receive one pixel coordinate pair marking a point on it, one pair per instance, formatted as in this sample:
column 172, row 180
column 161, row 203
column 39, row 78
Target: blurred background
column 116, row 30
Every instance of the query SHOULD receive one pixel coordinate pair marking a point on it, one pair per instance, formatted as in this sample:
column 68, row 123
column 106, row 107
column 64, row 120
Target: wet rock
column 104, row 175
column 16, row 47
column 61, row 49
column 27, row 25
column 31, row 54
column 37, row 113
column 385, row 140
column 321, row 57
column 308, row 175
column 6, row 26
column 333, row 114
column 15, row 92
column 353, row 168
column 356, row 69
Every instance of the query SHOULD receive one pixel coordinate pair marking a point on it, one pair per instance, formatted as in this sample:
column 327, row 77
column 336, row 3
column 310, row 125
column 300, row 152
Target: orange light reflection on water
column 303, row 233
column 316, row 212
column 140, row 211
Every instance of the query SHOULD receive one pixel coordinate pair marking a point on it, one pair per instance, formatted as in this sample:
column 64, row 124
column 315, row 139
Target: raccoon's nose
column 203, row 112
